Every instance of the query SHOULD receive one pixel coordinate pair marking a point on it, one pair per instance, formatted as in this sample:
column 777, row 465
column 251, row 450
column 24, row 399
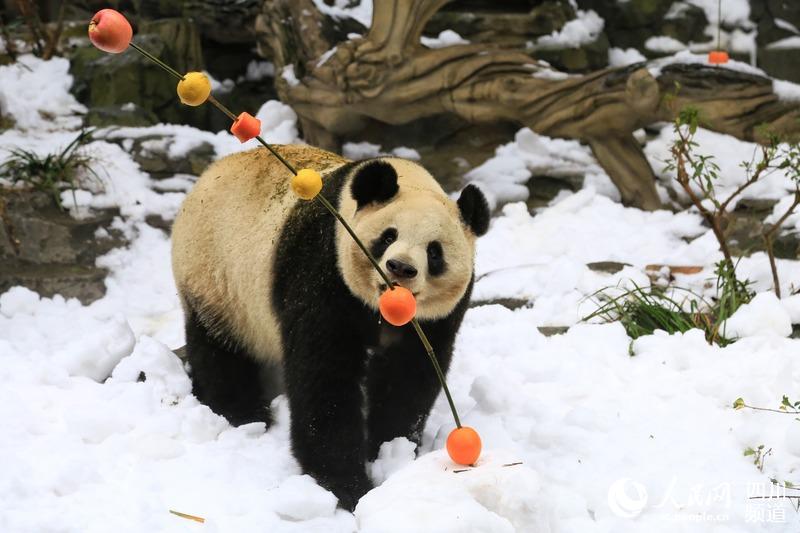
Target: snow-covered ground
column 610, row 435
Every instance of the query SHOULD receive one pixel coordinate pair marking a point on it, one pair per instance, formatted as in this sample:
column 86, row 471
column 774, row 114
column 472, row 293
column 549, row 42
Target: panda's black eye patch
column 436, row 264
column 378, row 246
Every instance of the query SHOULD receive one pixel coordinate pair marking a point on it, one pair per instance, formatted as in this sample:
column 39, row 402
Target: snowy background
column 612, row 435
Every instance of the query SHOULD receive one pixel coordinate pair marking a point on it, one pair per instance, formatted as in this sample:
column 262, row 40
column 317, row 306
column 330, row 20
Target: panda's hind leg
column 227, row 378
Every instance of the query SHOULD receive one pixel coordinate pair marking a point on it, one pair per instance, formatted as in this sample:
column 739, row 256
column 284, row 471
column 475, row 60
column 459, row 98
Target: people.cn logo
column 627, row 498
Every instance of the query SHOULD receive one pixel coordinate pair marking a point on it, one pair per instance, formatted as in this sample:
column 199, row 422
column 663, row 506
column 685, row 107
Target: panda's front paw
column 350, row 492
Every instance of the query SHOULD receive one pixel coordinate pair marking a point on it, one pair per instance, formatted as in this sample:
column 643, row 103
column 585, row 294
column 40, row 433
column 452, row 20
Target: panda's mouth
column 382, row 288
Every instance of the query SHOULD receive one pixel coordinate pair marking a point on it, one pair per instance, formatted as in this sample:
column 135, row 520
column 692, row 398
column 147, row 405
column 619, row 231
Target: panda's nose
column 400, row 269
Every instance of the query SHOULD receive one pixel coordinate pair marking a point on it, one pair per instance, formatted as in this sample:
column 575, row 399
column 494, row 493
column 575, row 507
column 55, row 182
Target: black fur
column 436, row 263
column 378, row 246
column 375, row 181
column 327, row 334
column 474, row 209
column 226, row 378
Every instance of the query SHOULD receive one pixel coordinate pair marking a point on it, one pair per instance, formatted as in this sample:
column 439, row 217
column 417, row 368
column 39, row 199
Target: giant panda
column 279, row 298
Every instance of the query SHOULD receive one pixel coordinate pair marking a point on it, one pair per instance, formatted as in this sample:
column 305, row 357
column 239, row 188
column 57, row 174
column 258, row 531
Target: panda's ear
column 474, row 209
column 375, row 181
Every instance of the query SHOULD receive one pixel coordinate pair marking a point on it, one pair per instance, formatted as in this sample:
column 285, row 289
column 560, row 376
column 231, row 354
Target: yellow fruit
column 194, row 88
column 307, row 183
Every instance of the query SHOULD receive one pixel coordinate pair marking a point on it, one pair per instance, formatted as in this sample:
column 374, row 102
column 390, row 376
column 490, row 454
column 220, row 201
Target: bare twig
column 768, row 241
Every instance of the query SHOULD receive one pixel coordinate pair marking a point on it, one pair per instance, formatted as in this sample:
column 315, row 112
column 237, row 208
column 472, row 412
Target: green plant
column 642, row 310
column 759, row 456
column 697, row 175
column 52, row 173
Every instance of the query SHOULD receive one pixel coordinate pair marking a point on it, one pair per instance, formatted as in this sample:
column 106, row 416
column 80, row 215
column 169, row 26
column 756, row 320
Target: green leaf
column 749, row 451
column 739, row 404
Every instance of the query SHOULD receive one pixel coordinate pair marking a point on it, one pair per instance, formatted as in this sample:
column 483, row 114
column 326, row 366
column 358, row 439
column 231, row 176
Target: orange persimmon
column 398, row 306
column 718, row 57
column 464, row 445
column 246, row 127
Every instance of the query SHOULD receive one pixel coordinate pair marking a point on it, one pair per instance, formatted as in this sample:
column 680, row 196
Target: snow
column 502, row 178
column 664, row 44
column 258, row 70
column 789, row 43
column 786, row 25
column 581, row 30
column 764, row 314
column 360, row 11
column 444, row 39
column 686, row 56
column 728, row 154
column 618, row 57
column 786, row 90
column 587, row 431
column 734, row 12
column 366, row 150
column 36, row 95
column 287, row 73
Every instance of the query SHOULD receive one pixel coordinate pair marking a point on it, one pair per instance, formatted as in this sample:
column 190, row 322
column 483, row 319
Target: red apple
column 110, row 31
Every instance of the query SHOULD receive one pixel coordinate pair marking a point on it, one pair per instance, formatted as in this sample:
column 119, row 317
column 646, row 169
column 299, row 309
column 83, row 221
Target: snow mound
column 36, row 94
column 763, row 315
column 491, row 497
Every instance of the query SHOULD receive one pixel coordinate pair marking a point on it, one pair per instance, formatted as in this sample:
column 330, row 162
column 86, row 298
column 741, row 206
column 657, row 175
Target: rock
column 629, row 24
column 591, row 56
column 151, row 152
column 549, row 331
column 507, row 27
column 685, row 22
column 120, row 115
column 450, row 146
column 509, row 303
column 86, row 283
column 112, row 80
column 609, row 267
column 50, row 252
column 542, row 189
column 783, row 63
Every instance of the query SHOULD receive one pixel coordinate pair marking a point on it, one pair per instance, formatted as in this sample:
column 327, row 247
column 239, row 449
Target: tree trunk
column 390, row 77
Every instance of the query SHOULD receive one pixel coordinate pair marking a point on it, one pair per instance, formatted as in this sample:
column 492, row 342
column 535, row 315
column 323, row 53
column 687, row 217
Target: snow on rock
column 733, row 12
column 786, row 90
column 365, row 150
column 490, row 497
column 502, row 178
column 581, row 30
column 618, row 57
column 763, row 315
column 664, row 44
column 360, row 11
column 360, row 150
column 685, row 56
column 35, row 93
column 278, row 122
column 444, row 39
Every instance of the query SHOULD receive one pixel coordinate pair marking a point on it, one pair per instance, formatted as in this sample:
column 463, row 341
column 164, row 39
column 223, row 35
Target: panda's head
column 422, row 239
